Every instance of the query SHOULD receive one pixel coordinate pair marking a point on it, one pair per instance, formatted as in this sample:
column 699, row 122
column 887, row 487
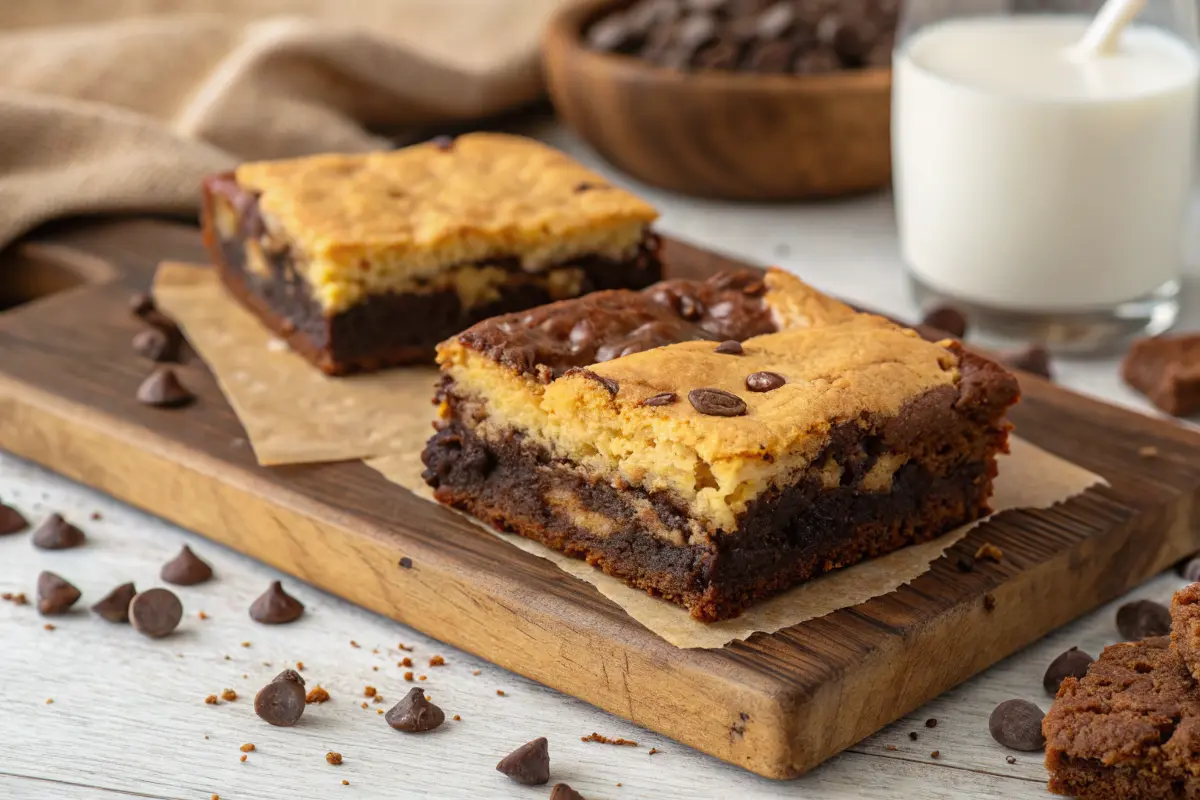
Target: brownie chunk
column 1167, row 370
column 1185, row 626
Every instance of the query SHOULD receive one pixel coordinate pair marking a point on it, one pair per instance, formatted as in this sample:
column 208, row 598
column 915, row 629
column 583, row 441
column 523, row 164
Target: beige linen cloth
column 123, row 105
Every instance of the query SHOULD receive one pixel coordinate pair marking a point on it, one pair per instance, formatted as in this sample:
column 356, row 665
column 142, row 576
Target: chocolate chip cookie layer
column 621, row 428
column 368, row 261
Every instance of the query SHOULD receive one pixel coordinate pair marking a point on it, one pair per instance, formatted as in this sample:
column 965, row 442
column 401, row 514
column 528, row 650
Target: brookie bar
column 368, row 261
column 715, row 443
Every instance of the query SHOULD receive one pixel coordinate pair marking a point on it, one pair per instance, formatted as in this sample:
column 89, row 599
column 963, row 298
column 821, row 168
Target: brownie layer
column 390, row 328
column 1092, row 780
column 787, row 535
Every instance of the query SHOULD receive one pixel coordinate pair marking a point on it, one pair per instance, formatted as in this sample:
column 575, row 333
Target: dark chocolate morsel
column 186, row 569
column 55, row 533
column 661, row 399
column 281, row 702
column 717, row 403
column 11, row 520
column 948, row 319
column 1034, row 359
column 764, row 381
column 162, row 389
column 275, row 606
column 529, row 764
column 1143, row 618
column 406, row 562
column 730, row 347
column 415, row 714
column 1017, row 724
column 141, row 304
column 114, row 606
column 562, row 791
column 1072, row 664
column 156, row 345
column 155, row 612
column 55, row 595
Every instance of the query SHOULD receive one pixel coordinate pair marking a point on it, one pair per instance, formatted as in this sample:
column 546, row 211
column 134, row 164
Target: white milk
column 1028, row 181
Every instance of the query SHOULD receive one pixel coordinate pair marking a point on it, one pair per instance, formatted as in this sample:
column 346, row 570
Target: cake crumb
column 378, row 699
column 96, row 516
column 300, row 666
column 228, row 695
column 405, row 662
column 474, row 672
column 379, row 711
column 408, row 676
column 247, row 748
column 601, row 739
column 375, row 651
column 891, row 747
column 1149, row 451
column 244, row 675
column 619, row 784
column 936, row 754
column 215, row 797
column 49, row 701
column 345, row 783
column 48, row 627
column 500, row 692
column 456, row 718
column 243, row 758
column 422, row 677
column 353, row 643
column 437, row 661
column 989, row 551
column 211, row 700
column 244, row 644
column 201, row 615
column 333, row 758
column 227, row 658
column 17, row 598
column 316, row 695
column 374, row 668
column 402, row 646
column 364, row 704
column 369, row 691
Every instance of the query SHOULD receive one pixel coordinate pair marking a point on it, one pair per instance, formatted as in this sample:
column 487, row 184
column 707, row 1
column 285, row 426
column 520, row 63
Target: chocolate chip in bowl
column 793, row 97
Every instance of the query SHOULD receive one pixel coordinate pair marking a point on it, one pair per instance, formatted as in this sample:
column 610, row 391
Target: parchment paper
column 293, row 413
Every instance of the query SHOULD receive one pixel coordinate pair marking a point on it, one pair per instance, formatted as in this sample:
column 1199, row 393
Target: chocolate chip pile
column 765, row 36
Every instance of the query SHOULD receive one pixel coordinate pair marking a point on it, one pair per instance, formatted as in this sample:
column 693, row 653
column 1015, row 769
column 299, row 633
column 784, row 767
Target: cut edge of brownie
column 393, row 328
column 1185, row 626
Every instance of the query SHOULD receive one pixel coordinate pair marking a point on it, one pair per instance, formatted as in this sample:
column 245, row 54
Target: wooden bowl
column 726, row 135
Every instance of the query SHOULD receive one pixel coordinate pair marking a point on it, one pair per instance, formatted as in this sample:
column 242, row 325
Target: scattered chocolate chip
column 55, row 533
column 444, row 143
column 912, row 735
column 281, row 702
column 162, row 389
column 965, row 564
column 529, row 764
column 1190, row 570
column 562, row 791
column 1010, row 759
column 1034, row 359
column 931, row 723
column 1143, row 618
column 54, row 595
column 114, row 606
column 948, row 319
column 716, row 403
column 764, row 381
column 406, row 562
column 11, row 520
column 1017, row 724
column 415, row 714
column 1072, row 664
column 156, row 345
column 186, row 569
column 661, row 399
column 155, row 612
column 730, row 347
column 275, row 606
column 141, row 304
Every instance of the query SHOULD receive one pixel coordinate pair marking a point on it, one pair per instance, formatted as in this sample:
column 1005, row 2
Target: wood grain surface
column 776, row 704
column 726, row 135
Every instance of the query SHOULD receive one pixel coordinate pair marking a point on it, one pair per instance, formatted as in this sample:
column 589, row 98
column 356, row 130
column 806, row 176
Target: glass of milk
column 1045, row 194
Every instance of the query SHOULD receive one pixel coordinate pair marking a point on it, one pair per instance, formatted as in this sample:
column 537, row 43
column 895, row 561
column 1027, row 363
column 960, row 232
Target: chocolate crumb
column 989, row 602
column 55, row 595
column 333, row 758
column 529, row 764
column 931, row 723
column 228, row 695
column 317, row 695
column 730, row 347
column 186, row 569
column 141, row 304
column 406, row 562
column 1010, row 759
column 437, row 661
column 601, row 739
column 114, row 606
column 55, row 533
column 162, row 389
column 912, row 735
column 965, row 564
column 95, row 516
column 989, row 551
column 276, row 607
column 891, row 747
column 653, row 751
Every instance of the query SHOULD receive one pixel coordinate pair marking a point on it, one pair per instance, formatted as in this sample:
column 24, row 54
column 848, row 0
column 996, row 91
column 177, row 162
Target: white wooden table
column 128, row 717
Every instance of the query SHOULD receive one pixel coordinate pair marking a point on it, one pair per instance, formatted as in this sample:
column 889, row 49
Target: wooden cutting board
column 777, row 704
